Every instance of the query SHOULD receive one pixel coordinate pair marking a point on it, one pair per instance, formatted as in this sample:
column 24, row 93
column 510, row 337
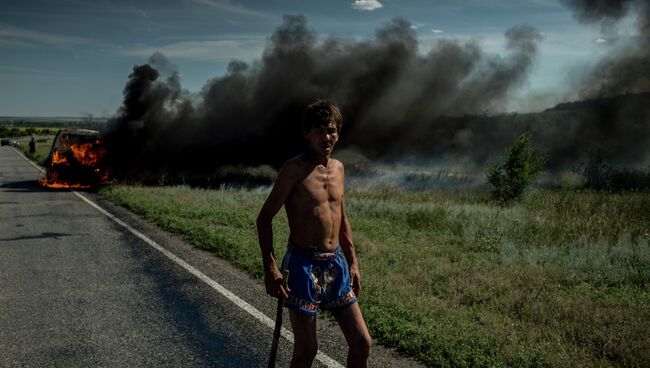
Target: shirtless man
column 324, row 272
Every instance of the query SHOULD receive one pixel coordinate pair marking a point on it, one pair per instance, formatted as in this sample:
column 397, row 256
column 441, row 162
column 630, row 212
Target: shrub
column 600, row 176
column 628, row 179
column 596, row 173
column 519, row 167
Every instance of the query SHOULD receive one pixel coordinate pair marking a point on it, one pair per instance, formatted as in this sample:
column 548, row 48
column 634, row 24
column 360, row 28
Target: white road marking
column 28, row 160
column 241, row 303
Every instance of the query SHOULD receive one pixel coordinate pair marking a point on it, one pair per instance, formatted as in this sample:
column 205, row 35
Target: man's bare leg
column 305, row 345
column 356, row 334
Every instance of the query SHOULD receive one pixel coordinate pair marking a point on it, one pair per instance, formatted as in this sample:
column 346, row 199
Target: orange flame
column 58, row 159
column 79, row 163
column 88, row 154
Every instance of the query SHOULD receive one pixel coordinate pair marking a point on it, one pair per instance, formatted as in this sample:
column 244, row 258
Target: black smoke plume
column 391, row 96
column 625, row 70
column 613, row 123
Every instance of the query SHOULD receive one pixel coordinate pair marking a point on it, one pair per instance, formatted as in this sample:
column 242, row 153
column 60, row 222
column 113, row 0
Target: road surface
column 81, row 289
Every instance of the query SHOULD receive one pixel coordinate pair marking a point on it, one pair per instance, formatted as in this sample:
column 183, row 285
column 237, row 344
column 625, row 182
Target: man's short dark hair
column 321, row 113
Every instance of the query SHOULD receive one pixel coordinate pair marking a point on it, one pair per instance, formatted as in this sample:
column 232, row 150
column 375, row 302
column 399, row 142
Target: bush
column 629, row 179
column 600, row 176
column 596, row 173
column 519, row 168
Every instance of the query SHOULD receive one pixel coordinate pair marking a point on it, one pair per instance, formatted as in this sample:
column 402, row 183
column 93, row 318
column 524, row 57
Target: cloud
column 366, row 5
column 233, row 8
column 19, row 72
column 243, row 47
column 601, row 40
column 435, row 30
column 15, row 35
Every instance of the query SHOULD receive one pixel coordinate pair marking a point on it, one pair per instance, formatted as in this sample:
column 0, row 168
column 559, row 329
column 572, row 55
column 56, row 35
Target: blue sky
column 71, row 58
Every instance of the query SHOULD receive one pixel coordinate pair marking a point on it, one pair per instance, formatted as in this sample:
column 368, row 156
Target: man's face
column 321, row 139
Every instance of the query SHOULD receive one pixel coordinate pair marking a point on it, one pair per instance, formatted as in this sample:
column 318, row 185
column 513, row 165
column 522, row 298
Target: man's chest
column 321, row 187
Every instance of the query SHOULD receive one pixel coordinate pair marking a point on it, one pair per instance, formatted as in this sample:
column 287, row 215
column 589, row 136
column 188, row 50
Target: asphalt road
column 77, row 289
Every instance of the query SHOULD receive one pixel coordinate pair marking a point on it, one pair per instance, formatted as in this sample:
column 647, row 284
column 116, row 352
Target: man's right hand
column 273, row 283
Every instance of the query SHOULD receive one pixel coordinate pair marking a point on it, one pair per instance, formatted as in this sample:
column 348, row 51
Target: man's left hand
column 355, row 279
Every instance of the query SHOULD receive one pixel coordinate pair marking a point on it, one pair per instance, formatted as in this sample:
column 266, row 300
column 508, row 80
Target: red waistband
column 313, row 252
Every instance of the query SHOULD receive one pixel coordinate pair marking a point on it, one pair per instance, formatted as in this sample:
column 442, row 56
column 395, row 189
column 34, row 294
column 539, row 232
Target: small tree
column 519, row 167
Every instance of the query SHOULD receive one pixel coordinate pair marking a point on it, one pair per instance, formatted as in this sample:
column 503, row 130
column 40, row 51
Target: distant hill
column 51, row 119
column 614, row 130
column 636, row 100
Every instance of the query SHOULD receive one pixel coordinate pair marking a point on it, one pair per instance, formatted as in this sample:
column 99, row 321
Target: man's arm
column 275, row 200
column 347, row 245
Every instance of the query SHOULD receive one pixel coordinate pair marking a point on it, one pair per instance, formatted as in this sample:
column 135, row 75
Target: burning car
column 76, row 160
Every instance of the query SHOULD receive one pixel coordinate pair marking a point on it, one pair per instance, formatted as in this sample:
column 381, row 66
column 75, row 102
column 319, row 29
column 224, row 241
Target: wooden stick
column 278, row 322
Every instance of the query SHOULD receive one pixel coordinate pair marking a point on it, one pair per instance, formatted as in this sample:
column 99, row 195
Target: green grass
column 559, row 279
column 43, row 147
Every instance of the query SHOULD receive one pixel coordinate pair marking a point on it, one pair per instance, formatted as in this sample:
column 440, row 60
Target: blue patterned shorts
column 317, row 280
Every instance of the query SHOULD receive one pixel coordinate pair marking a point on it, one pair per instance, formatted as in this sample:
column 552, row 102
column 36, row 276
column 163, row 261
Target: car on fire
column 76, row 160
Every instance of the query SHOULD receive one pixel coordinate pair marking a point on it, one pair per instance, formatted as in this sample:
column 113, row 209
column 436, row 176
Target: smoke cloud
column 613, row 124
column 623, row 71
column 391, row 96
column 598, row 10
column 399, row 104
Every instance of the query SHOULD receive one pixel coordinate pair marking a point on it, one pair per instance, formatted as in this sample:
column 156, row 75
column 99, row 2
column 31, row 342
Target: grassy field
column 43, row 147
column 559, row 279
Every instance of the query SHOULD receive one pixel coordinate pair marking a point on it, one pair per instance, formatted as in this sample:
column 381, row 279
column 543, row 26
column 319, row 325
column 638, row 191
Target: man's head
column 321, row 113
column 321, row 124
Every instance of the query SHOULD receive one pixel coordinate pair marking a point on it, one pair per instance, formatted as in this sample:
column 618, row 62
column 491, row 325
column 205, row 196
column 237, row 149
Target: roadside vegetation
column 14, row 132
column 559, row 278
column 18, row 128
column 43, row 147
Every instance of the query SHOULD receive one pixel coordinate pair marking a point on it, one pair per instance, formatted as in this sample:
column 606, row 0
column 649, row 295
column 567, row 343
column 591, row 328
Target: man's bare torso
column 314, row 204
